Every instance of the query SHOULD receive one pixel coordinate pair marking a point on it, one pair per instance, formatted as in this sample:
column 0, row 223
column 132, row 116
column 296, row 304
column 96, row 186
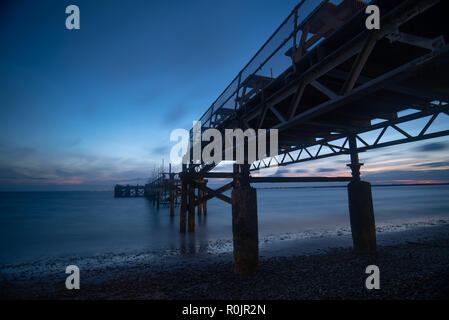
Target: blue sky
column 85, row 109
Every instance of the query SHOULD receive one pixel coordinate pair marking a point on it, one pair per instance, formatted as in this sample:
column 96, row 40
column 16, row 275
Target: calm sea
column 40, row 225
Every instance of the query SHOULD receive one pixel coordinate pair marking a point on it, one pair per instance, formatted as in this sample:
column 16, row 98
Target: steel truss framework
column 338, row 144
column 317, row 69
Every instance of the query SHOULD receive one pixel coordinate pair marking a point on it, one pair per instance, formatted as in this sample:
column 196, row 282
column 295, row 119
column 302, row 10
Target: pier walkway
column 330, row 87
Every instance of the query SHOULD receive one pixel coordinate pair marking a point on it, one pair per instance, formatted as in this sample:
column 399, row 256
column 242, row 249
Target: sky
column 86, row 109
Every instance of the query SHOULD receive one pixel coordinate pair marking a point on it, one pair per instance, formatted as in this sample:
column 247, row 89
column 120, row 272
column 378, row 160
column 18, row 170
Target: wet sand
column 414, row 264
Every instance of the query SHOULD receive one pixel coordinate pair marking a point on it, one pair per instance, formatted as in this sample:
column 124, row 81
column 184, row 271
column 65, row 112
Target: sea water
column 42, row 225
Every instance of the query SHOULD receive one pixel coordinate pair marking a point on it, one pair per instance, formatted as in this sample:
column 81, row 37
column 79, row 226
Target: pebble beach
column 414, row 264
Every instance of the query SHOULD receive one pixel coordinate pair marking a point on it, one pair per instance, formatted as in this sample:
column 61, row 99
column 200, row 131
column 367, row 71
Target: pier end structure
column 127, row 191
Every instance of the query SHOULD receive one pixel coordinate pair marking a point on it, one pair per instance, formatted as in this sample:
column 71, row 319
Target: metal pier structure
column 331, row 87
column 164, row 189
column 127, row 191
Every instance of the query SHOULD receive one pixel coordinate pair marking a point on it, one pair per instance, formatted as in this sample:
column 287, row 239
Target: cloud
column 15, row 174
column 404, row 175
column 433, row 164
column 159, row 150
column 69, row 171
column 152, row 95
column 327, row 170
column 175, row 114
column 291, row 171
column 15, row 151
column 68, row 178
column 436, row 146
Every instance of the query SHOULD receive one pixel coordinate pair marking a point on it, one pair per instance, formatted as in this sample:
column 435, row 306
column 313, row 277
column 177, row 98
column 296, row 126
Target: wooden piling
column 191, row 225
column 172, row 194
column 200, row 197
column 204, row 196
column 183, row 207
column 205, row 204
column 172, row 202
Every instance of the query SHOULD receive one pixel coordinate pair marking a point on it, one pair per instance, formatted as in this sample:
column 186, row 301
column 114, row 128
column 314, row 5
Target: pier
column 121, row 191
column 164, row 190
column 330, row 87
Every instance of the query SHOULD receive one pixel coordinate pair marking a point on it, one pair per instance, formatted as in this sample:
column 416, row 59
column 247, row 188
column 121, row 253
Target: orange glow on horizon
column 413, row 181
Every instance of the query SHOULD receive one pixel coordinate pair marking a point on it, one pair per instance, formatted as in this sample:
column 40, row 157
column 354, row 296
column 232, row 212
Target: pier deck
column 330, row 87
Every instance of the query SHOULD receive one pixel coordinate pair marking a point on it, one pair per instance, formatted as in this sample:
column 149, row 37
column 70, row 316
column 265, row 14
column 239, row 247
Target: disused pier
column 330, row 87
column 127, row 191
column 164, row 189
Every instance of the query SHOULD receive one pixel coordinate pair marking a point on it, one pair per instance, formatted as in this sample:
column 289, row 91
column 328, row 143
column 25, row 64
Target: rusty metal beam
column 211, row 193
column 298, row 179
column 296, row 100
column 358, row 65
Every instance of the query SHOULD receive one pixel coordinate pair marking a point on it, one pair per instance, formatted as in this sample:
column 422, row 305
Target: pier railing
column 272, row 60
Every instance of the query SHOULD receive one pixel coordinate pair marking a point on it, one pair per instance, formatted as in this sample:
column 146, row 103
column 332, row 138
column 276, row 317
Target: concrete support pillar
column 244, row 223
column 361, row 211
column 183, row 207
column 191, row 225
column 361, row 214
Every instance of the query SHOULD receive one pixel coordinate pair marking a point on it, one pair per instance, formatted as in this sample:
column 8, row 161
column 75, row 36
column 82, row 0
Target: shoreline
column 323, row 267
column 306, row 242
